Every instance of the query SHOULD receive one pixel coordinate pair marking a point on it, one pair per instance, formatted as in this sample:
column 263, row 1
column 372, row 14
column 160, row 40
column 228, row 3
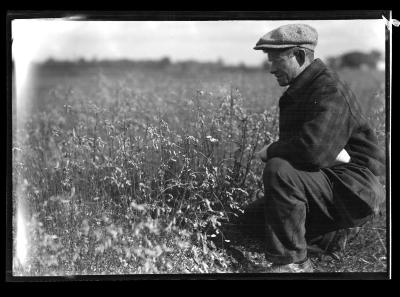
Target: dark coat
column 319, row 116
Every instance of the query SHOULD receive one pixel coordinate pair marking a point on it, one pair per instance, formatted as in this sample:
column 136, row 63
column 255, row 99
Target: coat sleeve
column 325, row 132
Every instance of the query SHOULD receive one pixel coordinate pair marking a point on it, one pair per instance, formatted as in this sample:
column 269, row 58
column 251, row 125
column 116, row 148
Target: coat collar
column 306, row 77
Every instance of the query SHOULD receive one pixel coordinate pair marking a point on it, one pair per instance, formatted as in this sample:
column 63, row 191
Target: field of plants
column 138, row 171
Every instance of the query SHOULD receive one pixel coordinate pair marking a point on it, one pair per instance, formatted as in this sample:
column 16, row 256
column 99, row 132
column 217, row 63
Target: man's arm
column 322, row 137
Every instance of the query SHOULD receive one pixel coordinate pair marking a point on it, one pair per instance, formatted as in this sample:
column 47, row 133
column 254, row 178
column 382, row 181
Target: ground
column 367, row 252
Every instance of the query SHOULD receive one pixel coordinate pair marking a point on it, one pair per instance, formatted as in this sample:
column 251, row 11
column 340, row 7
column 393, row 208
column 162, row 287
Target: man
column 321, row 176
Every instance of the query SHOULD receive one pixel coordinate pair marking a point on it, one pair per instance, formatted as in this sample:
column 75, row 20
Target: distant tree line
column 354, row 59
column 120, row 63
column 126, row 64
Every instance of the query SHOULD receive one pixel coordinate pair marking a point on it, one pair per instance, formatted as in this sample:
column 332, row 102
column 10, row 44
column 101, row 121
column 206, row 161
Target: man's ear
column 300, row 56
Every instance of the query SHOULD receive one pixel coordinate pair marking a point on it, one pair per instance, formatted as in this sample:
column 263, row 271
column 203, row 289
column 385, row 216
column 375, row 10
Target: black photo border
column 86, row 15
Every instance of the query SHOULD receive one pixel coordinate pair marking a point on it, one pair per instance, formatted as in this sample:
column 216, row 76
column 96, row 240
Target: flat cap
column 289, row 36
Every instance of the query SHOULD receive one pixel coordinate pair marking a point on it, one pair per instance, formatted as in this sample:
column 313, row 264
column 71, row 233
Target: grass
column 125, row 172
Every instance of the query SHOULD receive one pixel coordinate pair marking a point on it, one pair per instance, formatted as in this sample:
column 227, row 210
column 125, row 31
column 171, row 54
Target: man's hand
column 343, row 157
column 262, row 154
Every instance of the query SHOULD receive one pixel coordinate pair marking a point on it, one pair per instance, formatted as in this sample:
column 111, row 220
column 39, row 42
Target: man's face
column 284, row 66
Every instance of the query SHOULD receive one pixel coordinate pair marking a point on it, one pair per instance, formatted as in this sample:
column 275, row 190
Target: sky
column 231, row 41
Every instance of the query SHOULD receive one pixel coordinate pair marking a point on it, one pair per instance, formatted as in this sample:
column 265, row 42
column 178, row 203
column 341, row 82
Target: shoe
column 333, row 243
column 305, row 267
column 342, row 238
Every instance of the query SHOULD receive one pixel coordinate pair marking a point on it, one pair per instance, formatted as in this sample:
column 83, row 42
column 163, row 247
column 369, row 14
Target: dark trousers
column 297, row 205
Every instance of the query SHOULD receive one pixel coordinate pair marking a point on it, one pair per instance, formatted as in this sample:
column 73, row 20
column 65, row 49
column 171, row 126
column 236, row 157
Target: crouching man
column 321, row 176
